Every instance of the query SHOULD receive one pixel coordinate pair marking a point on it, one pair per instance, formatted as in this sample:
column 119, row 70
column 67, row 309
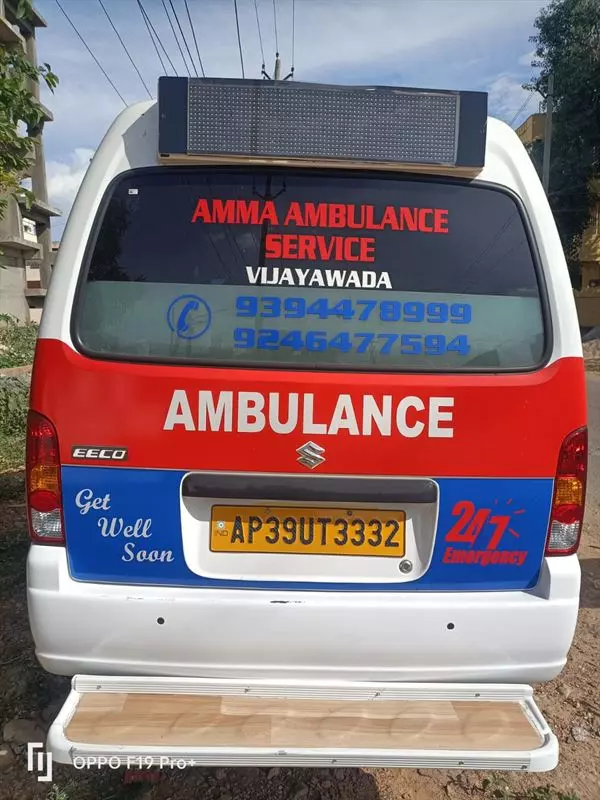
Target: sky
column 439, row 44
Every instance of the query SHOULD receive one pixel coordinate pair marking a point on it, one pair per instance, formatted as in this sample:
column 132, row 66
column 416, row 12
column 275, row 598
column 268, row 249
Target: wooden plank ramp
column 127, row 720
column 192, row 720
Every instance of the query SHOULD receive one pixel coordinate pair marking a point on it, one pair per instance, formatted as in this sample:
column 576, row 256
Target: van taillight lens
column 44, row 498
column 569, row 496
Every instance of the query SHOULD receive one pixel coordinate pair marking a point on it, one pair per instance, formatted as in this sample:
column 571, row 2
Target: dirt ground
column 571, row 704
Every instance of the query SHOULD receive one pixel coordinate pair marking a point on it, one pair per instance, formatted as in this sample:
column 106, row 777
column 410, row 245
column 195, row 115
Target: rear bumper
column 511, row 637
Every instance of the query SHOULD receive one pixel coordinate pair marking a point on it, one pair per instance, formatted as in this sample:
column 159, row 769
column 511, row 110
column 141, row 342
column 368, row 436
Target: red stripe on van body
column 509, row 425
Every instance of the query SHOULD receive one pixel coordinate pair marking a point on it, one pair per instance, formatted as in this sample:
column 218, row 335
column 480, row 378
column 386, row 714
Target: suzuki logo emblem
column 310, row 455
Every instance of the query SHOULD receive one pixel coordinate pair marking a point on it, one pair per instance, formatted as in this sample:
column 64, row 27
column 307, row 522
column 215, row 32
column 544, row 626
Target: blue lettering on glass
column 189, row 316
column 384, row 310
column 407, row 344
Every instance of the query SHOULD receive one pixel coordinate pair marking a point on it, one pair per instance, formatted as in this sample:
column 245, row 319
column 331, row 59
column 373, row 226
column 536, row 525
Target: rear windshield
column 310, row 270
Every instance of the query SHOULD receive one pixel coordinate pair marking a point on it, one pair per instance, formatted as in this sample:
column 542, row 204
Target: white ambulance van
column 307, row 446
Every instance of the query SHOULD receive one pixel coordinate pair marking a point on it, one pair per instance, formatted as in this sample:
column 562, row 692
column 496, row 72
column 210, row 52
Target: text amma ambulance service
column 307, row 446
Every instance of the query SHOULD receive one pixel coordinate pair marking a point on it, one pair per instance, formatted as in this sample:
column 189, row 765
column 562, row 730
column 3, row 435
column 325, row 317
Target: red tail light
column 44, row 498
column 568, row 503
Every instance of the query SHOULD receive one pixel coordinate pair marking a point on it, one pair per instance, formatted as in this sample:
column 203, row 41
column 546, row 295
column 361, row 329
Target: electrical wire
column 124, row 46
column 262, row 50
column 237, row 24
column 492, row 242
column 293, row 38
column 175, row 14
column 187, row 8
column 85, row 44
column 276, row 35
column 147, row 21
column 523, row 107
column 176, row 39
column 290, row 75
column 151, row 27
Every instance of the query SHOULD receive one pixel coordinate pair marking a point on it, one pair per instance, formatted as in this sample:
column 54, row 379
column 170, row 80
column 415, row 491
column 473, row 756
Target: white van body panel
column 438, row 636
column 86, row 627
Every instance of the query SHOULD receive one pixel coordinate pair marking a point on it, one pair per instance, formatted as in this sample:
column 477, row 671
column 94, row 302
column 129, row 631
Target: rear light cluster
column 44, row 498
column 568, row 503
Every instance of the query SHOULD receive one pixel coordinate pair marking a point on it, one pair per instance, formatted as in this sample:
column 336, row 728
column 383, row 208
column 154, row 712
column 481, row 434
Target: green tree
column 567, row 44
column 21, row 116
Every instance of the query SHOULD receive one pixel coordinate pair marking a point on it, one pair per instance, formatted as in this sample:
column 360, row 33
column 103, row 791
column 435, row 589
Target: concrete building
column 532, row 130
column 25, row 237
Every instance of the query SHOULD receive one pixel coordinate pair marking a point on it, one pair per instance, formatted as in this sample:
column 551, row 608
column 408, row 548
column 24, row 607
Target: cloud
column 379, row 35
column 65, row 176
column 526, row 59
column 508, row 100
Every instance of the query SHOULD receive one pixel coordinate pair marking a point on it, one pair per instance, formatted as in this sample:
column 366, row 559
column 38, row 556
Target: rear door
column 309, row 380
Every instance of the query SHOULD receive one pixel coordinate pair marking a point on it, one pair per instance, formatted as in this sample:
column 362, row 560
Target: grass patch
column 495, row 789
column 14, row 402
column 592, row 364
column 12, row 455
column 17, row 346
column 17, row 342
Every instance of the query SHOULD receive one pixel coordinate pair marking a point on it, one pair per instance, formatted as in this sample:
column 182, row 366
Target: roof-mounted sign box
column 208, row 119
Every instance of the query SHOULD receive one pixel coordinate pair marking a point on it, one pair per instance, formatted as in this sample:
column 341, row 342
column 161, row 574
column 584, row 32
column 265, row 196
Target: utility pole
column 277, row 73
column 264, row 230
column 268, row 195
column 548, row 134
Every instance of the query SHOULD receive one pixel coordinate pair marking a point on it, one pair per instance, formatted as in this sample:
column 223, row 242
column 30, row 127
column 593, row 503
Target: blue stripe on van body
column 490, row 536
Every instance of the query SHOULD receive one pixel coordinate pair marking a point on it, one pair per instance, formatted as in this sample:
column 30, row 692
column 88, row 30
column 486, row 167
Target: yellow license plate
column 318, row 531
